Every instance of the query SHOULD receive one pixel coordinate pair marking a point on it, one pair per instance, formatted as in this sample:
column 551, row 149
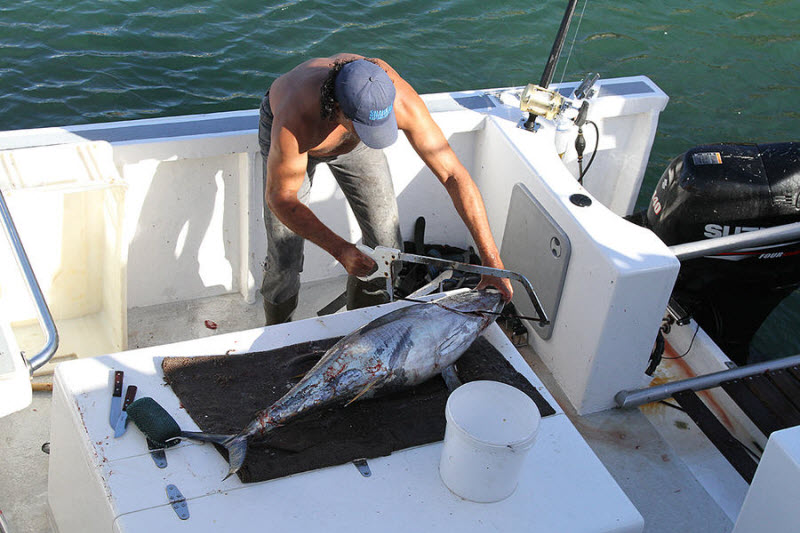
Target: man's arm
column 286, row 168
column 430, row 143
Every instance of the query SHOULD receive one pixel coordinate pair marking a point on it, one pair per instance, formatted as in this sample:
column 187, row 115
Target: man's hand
column 354, row 261
column 501, row 284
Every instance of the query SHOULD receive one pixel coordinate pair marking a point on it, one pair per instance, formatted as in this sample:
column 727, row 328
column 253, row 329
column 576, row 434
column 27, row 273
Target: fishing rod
column 544, row 104
column 539, row 101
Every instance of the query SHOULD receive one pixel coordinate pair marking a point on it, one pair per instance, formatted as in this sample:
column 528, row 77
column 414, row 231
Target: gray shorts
column 363, row 175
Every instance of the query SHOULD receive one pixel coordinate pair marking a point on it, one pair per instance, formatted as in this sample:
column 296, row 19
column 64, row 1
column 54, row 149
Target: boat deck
column 652, row 468
column 658, row 481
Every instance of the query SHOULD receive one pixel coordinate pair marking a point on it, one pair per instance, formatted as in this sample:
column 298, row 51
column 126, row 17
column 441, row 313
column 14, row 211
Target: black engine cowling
column 725, row 189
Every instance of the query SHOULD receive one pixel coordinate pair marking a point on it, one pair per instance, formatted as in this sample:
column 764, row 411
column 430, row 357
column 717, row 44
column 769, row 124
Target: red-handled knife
column 116, row 400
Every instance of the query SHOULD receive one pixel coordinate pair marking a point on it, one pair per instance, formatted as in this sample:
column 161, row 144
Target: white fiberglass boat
column 147, row 240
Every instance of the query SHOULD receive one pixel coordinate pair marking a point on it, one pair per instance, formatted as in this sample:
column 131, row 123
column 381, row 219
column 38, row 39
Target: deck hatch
column 535, row 246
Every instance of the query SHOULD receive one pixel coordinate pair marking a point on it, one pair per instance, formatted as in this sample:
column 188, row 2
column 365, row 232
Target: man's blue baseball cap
column 366, row 96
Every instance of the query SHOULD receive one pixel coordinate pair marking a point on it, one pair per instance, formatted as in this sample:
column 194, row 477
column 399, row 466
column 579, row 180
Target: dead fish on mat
column 400, row 349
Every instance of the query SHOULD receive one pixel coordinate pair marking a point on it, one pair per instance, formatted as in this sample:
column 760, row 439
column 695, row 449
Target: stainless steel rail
column 693, row 250
column 542, row 319
column 638, row 397
column 43, row 312
column 729, row 243
column 4, row 527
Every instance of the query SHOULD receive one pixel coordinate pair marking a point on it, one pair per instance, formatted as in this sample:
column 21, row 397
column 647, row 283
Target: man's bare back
column 299, row 131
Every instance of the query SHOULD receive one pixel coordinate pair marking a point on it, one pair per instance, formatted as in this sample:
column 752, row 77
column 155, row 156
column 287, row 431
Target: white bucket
column 490, row 428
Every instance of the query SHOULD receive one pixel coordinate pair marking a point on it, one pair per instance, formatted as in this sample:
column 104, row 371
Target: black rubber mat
column 222, row 394
column 733, row 450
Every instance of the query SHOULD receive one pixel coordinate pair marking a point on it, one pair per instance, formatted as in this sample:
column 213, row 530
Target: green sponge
column 154, row 421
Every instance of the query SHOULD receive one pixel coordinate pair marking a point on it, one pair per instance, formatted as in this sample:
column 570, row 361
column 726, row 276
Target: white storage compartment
column 67, row 202
column 15, row 380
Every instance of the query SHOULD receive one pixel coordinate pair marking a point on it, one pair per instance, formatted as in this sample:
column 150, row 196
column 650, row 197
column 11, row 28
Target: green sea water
column 730, row 67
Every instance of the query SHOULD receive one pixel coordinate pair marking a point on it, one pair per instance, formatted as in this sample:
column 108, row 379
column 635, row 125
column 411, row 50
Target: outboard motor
column 724, row 189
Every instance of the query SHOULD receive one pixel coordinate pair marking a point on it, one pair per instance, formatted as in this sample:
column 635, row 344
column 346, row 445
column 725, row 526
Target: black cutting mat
column 222, row 394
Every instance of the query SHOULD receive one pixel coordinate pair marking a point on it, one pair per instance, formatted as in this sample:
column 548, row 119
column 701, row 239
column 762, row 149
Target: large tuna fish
column 400, row 349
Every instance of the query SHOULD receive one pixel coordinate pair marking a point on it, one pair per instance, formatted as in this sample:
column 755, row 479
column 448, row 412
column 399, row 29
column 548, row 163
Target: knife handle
column 130, row 394
column 118, row 383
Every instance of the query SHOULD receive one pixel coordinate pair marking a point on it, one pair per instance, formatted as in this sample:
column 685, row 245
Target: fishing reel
column 551, row 105
column 540, row 102
column 569, row 115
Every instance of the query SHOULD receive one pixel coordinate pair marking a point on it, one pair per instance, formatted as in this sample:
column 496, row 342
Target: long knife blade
column 116, row 399
column 122, row 421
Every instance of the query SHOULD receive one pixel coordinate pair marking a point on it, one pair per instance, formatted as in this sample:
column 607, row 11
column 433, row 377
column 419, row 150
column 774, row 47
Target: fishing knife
column 122, row 421
column 116, row 399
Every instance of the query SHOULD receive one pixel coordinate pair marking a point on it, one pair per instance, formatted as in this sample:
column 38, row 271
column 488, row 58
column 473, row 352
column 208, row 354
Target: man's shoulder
column 297, row 93
column 296, row 113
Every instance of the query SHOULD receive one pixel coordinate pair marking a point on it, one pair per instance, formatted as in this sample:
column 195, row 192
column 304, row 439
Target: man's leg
column 364, row 177
column 282, row 267
column 284, row 262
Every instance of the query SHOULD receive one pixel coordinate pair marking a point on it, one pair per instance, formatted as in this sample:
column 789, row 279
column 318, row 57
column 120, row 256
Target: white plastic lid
column 493, row 413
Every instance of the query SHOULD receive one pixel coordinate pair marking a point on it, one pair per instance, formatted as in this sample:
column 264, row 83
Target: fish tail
column 237, row 450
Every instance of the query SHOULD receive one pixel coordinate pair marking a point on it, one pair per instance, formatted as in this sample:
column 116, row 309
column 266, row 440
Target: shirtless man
column 343, row 110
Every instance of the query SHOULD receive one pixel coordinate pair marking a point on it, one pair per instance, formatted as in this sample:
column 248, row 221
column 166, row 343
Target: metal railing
column 638, row 397
column 42, row 311
column 4, row 527
column 693, row 250
column 732, row 243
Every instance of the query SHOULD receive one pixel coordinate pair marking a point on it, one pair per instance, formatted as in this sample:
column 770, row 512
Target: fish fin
column 363, row 391
column 237, row 450
column 451, row 378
